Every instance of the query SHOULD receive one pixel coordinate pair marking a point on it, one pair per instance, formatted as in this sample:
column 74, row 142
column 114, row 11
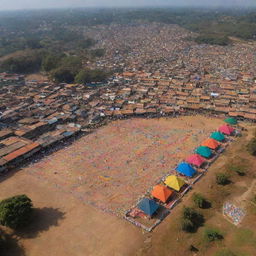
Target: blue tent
column 148, row 206
column 186, row 169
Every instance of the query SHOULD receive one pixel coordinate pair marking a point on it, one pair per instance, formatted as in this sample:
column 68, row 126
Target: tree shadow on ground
column 10, row 246
column 207, row 204
column 42, row 219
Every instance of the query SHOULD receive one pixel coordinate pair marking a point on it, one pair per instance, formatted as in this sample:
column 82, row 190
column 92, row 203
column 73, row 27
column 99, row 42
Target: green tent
column 230, row 120
column 204, row 151
column 218, row 136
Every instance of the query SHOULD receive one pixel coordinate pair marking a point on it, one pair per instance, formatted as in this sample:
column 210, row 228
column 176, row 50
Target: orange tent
column 211, row 143
column 161, row 192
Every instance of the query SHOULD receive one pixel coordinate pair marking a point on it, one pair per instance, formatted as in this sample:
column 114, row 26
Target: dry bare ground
column 66, row 225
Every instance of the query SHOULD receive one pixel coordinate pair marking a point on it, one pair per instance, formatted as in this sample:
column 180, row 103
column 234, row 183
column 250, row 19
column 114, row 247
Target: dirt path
column 245, row 196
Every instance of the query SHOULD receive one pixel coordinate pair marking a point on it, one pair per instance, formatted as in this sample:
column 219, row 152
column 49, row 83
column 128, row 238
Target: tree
column 191, row 219
column 27, row 62
column 15, row 211
column 212, row 39
column 33, row 43
column 50, row 62
column 63, row 75
column 88, row 76
column 73, row 63
column 222, row 179
column 98, row 53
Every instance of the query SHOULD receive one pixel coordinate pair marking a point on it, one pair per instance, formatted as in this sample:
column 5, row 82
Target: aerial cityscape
column 128, row 129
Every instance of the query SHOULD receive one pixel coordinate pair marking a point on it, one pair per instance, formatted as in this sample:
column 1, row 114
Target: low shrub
column 200, row 201
column 254, row 199
column 251, row 146
column 212, row 235
column 222, row 179
column 239, row 169
column 187, row 225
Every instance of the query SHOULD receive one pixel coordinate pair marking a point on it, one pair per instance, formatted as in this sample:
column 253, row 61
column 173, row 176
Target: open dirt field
column 108, row 169
column 114, row 166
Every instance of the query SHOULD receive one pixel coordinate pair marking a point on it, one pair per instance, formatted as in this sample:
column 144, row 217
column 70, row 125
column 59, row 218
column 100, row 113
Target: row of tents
column 172, row 183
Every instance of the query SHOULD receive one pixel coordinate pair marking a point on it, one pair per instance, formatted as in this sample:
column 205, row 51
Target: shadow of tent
column 42, row 219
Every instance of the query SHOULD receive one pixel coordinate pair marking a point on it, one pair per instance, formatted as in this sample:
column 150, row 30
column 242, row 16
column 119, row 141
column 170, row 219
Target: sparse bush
column 222, row 179
column 212, row 235
column 15, row 211
column 240, row 170
column 192, row 248
column 254, row 199
column 251, row 146
column 200, row 201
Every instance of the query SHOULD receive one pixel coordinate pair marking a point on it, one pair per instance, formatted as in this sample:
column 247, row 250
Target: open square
column 114, row 166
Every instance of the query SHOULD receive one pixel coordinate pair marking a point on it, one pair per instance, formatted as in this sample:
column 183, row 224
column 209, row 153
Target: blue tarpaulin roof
column 148, row 206
column 186, row 169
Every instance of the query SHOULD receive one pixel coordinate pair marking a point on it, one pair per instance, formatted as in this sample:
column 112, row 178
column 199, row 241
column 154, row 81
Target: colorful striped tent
column 218, row 136
column 226, row 129
column 196, row 160
column 204, row 151
column 148, row 206
column 174, row 182
column 186, row 169
column 211, row 143
column 161, row 192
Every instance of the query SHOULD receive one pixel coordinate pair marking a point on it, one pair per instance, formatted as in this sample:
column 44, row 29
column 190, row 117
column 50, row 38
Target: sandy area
column 65, row 226
column 105, row 170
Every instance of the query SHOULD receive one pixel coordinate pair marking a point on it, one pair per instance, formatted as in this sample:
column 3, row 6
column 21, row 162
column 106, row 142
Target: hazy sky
column 31, row 4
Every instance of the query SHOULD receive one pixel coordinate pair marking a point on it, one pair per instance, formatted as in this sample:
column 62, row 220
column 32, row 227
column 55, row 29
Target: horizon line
column 236, row 7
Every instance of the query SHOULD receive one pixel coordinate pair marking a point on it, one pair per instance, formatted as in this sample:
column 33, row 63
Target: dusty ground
column 64, row 226
column 169, row 240
column 36, row 76
column 111, row 168
column 68, row 224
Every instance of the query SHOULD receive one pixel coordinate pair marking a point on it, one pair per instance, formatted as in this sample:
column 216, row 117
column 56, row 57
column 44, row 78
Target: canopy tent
column 174, row 182
column 148, row 206
column 210, row 143
column 218, row 136
column 204, row 151
column 186, row 169
column 161, row 192
column 196, row 160
column 230, row 120
column 226, row 129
